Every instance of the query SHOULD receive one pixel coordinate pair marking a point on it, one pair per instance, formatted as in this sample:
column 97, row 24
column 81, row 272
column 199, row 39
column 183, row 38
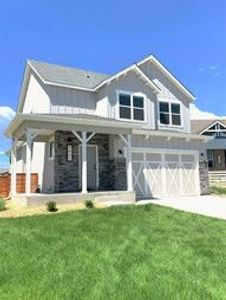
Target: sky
column 189, row 37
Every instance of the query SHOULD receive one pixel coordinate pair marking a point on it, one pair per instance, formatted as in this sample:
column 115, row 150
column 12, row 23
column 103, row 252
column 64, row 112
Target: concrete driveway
column 212, row 206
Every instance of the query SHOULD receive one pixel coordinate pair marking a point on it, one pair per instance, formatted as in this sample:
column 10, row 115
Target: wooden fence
column 5, row 183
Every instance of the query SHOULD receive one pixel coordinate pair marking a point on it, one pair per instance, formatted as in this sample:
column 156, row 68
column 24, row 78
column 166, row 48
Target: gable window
column 170, row 113
column 51, row 149
column 131, row 107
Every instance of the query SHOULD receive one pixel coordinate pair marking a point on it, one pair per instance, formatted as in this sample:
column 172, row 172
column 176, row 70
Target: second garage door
column 165, row 173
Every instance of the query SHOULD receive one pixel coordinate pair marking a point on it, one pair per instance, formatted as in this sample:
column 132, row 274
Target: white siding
column 37, row 163
column 36, row 99
column 130, row 83
column 71, row 101
column 169, row 92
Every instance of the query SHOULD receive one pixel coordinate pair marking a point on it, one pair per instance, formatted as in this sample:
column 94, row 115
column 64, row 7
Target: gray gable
column 68, row 76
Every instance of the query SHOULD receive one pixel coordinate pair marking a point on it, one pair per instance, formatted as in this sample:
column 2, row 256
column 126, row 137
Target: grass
column 142, row 252
column 218, row 190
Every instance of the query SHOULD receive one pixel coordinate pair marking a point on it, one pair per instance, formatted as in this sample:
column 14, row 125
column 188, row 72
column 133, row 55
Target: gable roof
column 198, row 126
column 168, row 74
column 73, row 77
column 68, row 77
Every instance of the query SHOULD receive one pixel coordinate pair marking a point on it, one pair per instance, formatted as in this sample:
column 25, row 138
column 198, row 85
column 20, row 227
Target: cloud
column 213, row 70
column 6, row 112
column 197, row 114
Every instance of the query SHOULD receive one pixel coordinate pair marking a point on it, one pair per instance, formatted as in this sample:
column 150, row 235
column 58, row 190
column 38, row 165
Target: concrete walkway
column 212, row 206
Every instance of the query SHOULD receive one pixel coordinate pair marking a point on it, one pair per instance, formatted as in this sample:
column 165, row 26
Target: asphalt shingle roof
column 197, row 126
column 67, row 75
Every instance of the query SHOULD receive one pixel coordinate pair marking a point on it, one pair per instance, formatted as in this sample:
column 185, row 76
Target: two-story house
column 83, row 132
column 216, row 146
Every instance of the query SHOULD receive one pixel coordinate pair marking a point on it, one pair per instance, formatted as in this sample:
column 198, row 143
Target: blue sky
column 189, row 37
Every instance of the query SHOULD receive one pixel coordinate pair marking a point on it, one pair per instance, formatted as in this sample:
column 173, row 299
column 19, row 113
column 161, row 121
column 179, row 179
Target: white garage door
column 165, row 174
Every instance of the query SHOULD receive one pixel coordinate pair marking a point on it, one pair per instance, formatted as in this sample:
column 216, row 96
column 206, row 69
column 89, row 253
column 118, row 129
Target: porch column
column 13, row 168
column 28, row 161
column 129, row 165
column 84, row 163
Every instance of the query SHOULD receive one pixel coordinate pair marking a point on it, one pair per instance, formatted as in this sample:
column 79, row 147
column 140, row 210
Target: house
column 126, row 134
column 216, row 146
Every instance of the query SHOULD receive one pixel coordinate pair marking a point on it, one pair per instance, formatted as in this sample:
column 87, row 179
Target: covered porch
column 81, row 159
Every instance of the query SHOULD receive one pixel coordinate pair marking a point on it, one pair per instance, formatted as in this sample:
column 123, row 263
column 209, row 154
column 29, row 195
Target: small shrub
column 89, row 204
column 51, row 206
column 2, row 205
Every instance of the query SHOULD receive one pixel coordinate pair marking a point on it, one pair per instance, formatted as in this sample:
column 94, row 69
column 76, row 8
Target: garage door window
column 170, row 113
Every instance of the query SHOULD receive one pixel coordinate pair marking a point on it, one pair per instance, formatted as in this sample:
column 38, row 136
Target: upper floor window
column 170, row 113
column 131, row 107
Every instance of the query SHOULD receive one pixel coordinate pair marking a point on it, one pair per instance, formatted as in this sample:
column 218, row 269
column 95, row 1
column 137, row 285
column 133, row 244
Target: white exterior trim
column 28, row 161
column 13, row 168
column 164, row 150
column 118, row 92
column 178, row 152
column 154, row 60
column 84, row 163
column 123, row 72
column 170, row 101
column 97, row 164
column 212, row 124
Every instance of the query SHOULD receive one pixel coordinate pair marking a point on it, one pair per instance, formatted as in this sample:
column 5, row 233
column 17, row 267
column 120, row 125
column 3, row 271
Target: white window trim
column 170, row 114
column 80, row 165
column 139, row 94
column 50, row 141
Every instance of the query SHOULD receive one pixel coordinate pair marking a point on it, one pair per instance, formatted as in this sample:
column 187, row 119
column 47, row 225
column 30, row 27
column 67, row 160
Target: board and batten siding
column 37, row 162
column 71, row 101
column 107, row 99
column 36, row 98
column 169, row 92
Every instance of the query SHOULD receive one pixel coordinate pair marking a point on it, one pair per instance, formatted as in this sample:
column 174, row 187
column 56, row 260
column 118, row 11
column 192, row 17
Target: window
column 131, row 107
column 51, row 149
column 170, row 113
column 210, row 159
column 69, row 153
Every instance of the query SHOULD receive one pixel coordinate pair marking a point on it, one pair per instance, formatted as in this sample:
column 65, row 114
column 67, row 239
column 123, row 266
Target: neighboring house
column 216, row 146
column 84, row 131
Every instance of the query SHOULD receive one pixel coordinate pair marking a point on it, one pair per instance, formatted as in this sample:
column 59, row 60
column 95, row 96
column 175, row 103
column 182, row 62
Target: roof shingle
column 68, row 76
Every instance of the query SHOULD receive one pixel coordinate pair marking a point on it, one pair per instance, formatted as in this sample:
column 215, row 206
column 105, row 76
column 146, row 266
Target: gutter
column 135, row 128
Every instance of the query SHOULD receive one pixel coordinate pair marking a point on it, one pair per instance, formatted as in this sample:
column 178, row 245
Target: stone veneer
column 112, row 172
column 204, row 177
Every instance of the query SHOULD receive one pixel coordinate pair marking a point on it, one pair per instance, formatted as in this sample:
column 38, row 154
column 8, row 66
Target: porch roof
column 89, row 123
column 70, row 122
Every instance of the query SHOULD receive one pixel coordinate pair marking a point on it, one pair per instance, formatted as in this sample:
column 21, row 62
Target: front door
column 92, row 169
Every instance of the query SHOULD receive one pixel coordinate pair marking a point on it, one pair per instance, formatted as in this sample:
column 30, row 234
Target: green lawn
column 146, row 252
column 218, row 190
